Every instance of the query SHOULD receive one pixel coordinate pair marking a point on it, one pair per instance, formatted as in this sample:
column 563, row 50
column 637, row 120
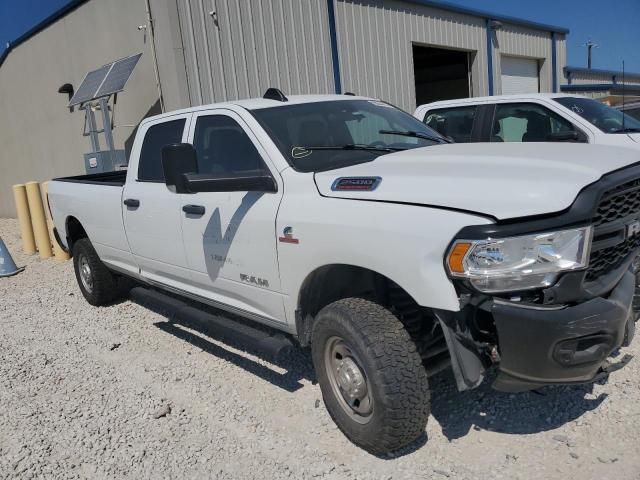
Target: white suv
column 539, row 117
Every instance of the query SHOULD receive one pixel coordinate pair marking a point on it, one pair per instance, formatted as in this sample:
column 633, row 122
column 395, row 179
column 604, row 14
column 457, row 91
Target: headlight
column 519, row 263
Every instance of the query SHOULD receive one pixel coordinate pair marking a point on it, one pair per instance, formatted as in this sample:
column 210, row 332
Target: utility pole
column 590, row 46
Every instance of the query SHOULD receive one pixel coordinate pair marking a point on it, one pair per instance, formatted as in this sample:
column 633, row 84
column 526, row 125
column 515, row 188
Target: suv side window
column 223, row 146
column 456, row 123
column 157, row 136
column 528, row 122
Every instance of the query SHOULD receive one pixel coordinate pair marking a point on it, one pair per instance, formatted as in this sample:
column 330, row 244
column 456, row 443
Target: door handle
column 132, row 202
column 193, row 209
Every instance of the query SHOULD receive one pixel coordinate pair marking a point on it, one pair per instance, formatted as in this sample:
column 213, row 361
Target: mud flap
column 466, row 364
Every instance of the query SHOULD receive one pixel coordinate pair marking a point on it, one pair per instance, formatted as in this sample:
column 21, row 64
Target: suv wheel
column 372, row 379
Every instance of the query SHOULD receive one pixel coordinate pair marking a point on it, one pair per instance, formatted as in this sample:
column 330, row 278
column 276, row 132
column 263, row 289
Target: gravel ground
column 119, row 392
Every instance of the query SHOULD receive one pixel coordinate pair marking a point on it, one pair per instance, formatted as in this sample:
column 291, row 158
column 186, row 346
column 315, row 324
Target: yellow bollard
column 37, row 219
column 58, row 252
column 24, row 219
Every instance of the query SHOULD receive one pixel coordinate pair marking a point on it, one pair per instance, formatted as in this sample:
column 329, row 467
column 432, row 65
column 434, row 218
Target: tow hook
column 609, row 367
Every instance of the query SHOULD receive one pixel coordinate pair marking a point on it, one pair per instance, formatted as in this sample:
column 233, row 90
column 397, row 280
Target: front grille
column 608, row 259
column 619, row 202
column 616, row 206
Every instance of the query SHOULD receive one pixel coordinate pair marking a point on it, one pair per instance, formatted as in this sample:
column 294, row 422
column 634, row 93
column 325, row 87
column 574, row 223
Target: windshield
column 345, row 132
column 607, row 119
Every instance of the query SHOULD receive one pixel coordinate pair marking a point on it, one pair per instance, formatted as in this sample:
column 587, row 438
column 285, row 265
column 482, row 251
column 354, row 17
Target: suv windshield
column 607, row 119
column 344, row 132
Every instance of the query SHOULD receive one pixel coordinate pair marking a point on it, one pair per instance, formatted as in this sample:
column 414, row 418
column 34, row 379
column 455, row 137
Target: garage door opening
column 440, row 74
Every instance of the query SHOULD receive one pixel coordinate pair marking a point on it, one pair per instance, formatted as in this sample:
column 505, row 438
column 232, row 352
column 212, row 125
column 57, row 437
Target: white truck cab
column 541, row 117
column 345, row 224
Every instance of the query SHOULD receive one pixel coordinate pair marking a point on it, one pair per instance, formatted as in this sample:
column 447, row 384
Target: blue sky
column 614, row 27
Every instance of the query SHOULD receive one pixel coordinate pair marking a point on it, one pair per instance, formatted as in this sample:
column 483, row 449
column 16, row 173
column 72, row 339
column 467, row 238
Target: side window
column 223, row 146
column 527, row 122
column 455, row 123
column 157, row 136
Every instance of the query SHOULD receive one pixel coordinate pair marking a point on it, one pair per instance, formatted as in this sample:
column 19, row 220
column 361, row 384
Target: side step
column 251, row 338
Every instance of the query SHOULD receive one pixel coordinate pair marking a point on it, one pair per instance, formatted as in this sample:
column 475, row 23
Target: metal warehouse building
column 609, row 86
column 203, row 51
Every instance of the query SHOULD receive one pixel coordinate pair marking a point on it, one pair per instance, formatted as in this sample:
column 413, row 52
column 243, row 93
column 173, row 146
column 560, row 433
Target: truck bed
column 115, row 179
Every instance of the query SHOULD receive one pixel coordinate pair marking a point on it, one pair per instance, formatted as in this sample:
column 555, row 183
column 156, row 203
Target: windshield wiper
column 625, row 130
column 356, row 146
column 411, row 133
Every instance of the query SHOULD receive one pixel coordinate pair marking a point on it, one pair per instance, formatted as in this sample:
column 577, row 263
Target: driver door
column 230, row 237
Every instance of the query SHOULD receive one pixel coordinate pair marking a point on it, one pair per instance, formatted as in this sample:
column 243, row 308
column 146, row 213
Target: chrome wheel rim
column 348, row 380
column 86, row 277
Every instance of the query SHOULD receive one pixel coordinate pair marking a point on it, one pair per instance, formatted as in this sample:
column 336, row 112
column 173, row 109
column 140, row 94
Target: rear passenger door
column 151, row 213
column 230, row 237
column 458, row 123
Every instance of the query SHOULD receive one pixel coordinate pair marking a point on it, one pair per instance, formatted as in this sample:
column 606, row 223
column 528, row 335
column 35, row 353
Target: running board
column 251, row 338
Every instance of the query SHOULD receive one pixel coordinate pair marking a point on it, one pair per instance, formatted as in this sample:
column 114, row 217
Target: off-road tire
column 104, row 283
column 398, row 381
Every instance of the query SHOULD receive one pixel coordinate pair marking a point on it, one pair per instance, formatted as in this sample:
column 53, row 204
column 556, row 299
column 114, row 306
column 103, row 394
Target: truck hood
column 502, row 180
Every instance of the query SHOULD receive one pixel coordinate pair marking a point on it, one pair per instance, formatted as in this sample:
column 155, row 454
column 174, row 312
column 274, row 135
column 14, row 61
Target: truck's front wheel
column 97, row 284
column 372, row 379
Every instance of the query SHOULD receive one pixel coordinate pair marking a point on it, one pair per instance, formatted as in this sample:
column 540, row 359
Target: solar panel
column 89, row 85
column 118, row 76
column 105, row 80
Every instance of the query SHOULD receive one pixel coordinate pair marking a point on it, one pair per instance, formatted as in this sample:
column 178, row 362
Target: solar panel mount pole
column 90, row 119
column 106, row 123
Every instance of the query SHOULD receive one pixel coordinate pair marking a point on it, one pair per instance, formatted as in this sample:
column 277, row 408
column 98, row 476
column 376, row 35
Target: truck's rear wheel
column 372, row 379
column 97, row 284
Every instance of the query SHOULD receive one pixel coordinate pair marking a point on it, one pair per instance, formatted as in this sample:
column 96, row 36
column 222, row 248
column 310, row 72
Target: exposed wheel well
column 330, row 283
column 75, row 231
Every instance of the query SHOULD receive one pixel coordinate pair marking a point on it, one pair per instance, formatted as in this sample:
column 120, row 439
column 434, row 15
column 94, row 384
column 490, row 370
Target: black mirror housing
column 177, row 160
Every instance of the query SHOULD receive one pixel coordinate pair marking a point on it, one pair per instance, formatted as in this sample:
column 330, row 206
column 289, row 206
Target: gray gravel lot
column 81, row 387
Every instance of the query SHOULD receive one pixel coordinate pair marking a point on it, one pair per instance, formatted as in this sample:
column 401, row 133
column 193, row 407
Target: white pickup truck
column 349, row 226
column 539, row 117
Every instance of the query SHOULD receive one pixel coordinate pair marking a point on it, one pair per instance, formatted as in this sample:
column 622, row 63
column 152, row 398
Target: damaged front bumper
column 562, row 345
column 537, row 345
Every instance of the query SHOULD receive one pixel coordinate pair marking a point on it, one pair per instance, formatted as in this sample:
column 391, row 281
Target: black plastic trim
column 113, row 179
column 569, row 345
column 56, row 236
column 484, row 118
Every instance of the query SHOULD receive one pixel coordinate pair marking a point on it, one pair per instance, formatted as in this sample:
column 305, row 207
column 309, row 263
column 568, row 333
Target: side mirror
column 178, row 159
column 247, row 181
column 569, row 136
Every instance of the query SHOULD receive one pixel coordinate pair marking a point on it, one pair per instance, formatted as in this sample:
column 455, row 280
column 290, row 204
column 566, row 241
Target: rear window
column 157, row 136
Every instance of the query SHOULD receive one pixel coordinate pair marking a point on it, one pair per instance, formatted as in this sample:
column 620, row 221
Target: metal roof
column 613, row 88
column 597, row 71
column 489, row 15
column 73, row 4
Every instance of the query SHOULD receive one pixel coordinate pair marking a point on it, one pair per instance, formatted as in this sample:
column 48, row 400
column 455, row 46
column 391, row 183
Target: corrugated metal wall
column 591, row 78
column 520, row 41
column 245, row 46
column 236, row 49
column 375, row 45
